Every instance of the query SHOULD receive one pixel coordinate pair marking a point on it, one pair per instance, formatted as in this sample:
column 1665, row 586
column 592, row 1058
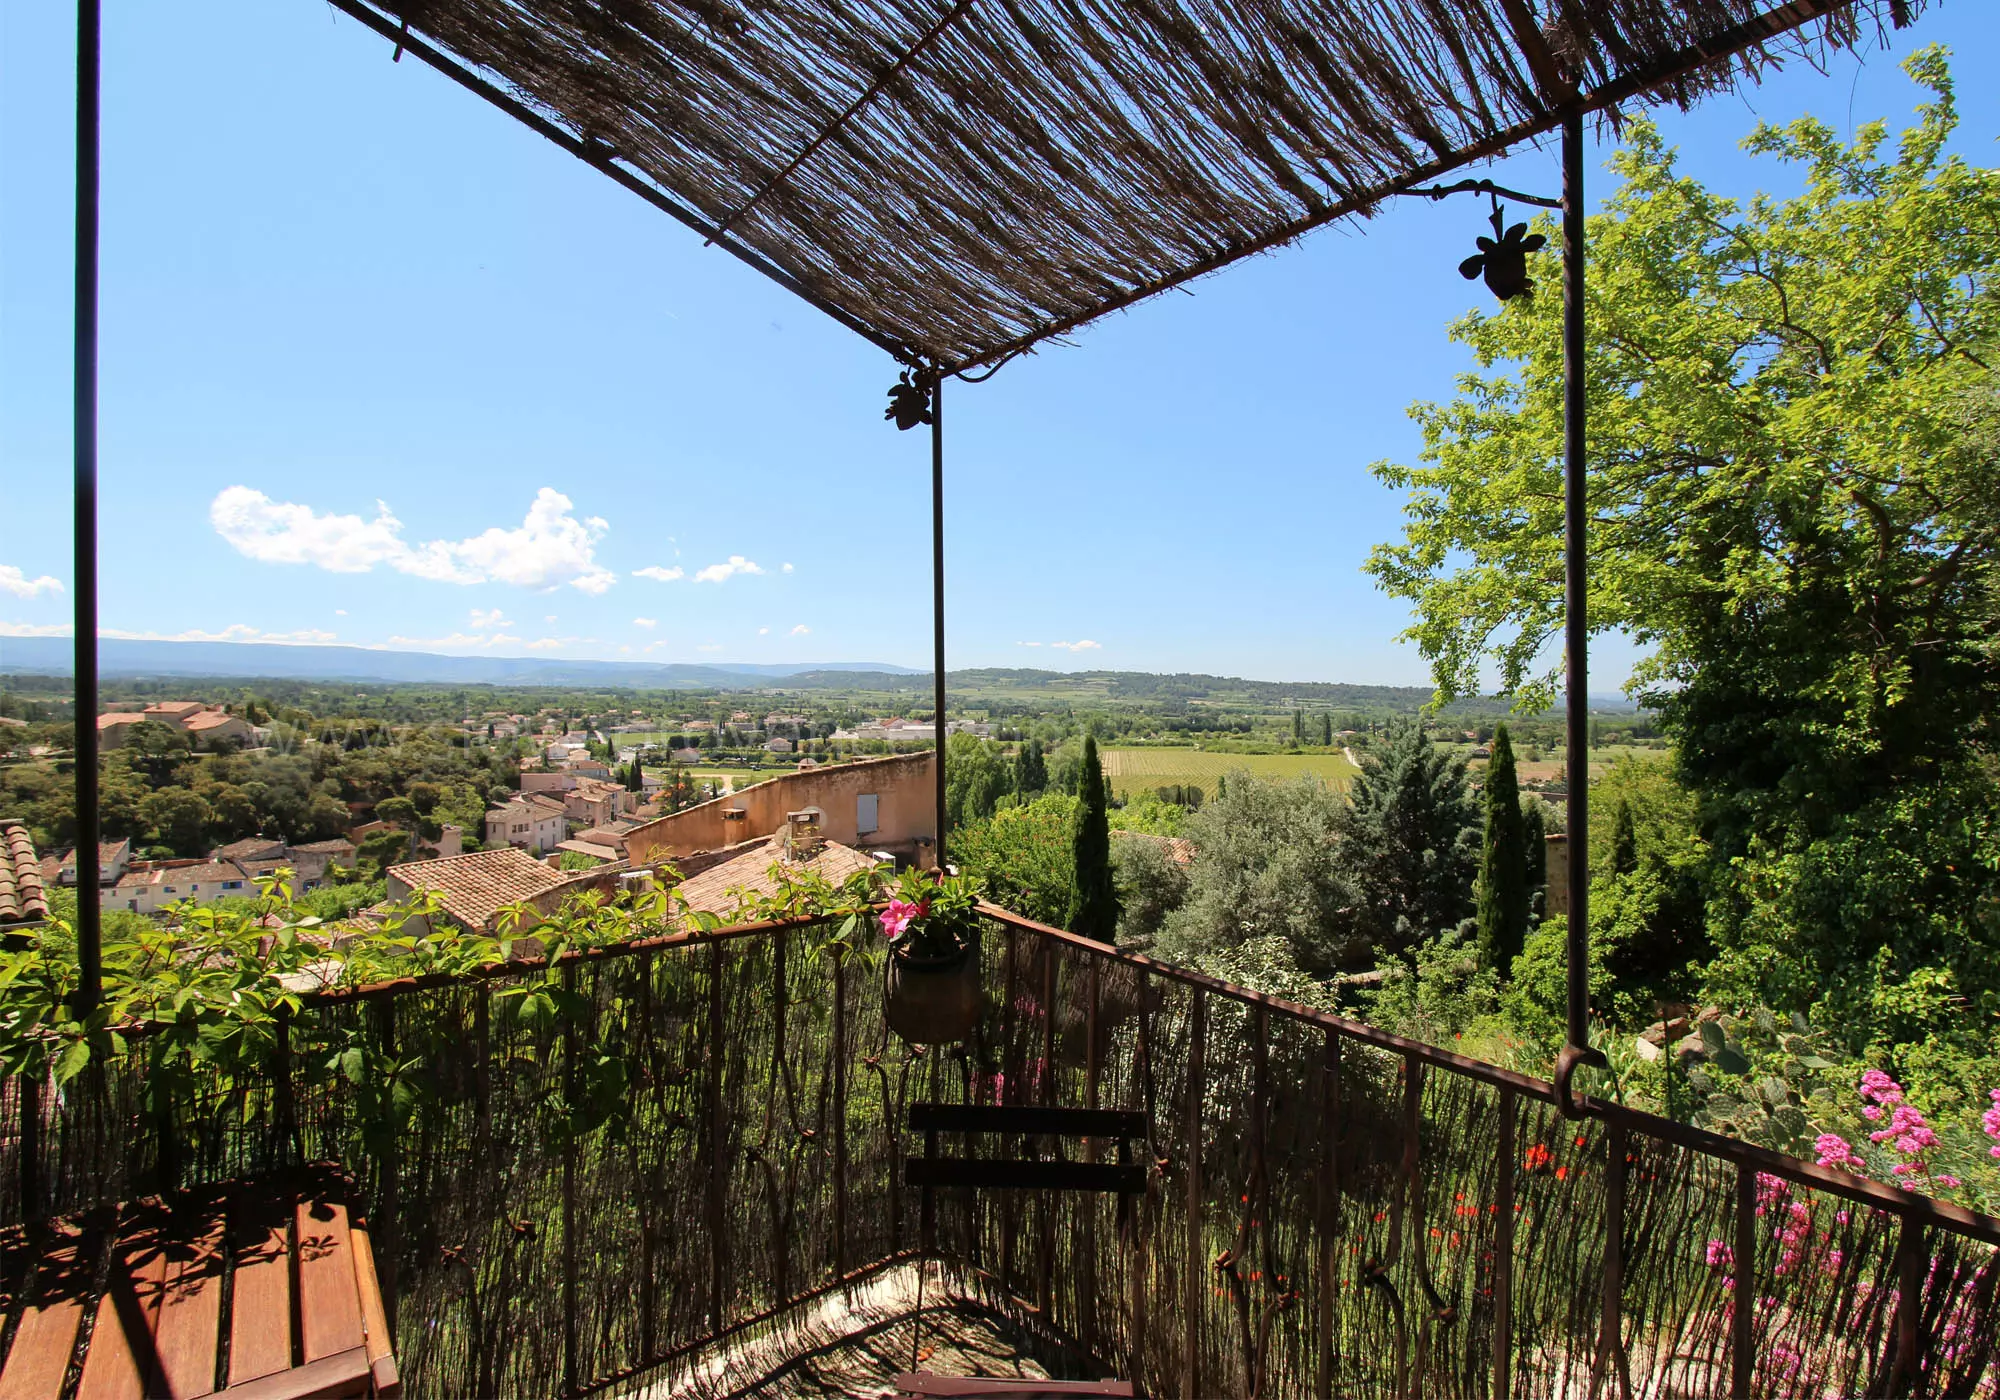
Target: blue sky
column 381, row 367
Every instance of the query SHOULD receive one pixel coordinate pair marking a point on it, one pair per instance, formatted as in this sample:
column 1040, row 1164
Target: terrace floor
column 853, row 1343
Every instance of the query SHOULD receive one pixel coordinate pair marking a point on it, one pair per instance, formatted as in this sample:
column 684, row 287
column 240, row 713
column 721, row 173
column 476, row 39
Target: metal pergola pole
column 937, row 594
column 89, row 910
column 1576, row 608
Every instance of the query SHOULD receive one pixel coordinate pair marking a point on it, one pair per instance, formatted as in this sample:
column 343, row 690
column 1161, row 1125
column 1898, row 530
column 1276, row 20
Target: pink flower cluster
column 1833, row 1150
column 1990, row 1121
column 1909, row 1133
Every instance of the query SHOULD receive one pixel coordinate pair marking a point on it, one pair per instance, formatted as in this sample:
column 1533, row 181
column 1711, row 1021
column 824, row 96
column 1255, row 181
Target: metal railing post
column 1742, row 1349
column 1329, row 1207
column 1196, row 1261
column 1503, row 1248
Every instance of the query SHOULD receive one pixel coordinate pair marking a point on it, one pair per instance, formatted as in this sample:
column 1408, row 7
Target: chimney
column 802, row 838
column 1556, row 900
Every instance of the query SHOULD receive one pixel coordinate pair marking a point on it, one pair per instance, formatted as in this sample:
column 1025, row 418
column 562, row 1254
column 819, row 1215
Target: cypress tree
column 1326, row 730
column 1503, row 862
column 1535, row 837
column 1624, row 840
column 1298, row 726
column 1093, row 900
column 1031, row 769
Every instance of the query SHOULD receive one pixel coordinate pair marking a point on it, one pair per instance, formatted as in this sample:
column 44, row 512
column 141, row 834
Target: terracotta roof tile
column 336, row 847
column 23, row 896
column 251, row 848
column 477, row 886
column 714, row 890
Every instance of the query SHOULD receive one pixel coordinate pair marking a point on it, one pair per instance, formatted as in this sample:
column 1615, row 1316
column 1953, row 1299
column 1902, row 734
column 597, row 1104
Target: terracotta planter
column 932, row 1001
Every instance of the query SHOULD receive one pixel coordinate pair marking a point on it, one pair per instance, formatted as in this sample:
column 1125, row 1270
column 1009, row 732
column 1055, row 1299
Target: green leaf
column 70, row 1063
column 1730, row 1061
column 1712, row 1039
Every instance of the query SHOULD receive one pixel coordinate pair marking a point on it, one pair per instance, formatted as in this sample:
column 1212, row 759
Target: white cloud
column 485, row 620
column 654, row 646
column 659, row 574
column 716, row 573
column 801, row 630
column 627, row 650
column 645, row 622
column 763, row 631
column 552, row 546
column 550, row 618
column 1085, row 645
column 34, row 629
column 1027, row 644
column 13, row 581
column 340, row 612
column 785, row 569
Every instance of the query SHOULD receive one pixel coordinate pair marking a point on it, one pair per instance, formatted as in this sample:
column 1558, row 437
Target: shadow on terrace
column 673, row 1164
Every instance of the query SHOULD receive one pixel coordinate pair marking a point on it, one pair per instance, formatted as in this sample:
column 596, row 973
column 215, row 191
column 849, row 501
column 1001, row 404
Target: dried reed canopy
column 959, row 179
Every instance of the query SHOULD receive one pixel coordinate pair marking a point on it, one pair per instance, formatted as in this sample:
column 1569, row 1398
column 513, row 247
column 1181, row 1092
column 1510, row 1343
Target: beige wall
column 902, row 786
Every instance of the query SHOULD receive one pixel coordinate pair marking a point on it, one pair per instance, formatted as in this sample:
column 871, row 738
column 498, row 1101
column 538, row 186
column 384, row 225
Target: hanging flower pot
column 933, row 1000
column 932, row 993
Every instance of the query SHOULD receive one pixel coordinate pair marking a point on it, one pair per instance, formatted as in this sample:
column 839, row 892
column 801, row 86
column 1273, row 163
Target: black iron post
column 937, row 591
column 89, row 913
column 1576, row 608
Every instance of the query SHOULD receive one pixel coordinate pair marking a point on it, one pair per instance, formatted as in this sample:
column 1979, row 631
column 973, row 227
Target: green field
column 1141, row 770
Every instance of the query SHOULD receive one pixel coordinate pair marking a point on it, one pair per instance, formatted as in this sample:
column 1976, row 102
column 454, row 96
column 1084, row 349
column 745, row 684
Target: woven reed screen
column 962, row 178
column 697, row 1134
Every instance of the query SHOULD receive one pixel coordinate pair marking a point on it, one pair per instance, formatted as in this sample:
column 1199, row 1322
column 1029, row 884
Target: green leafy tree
column 1151, row 886
column 1024, row 856
column 1269, row 868
column 178, row 818
column 1794, row 482
column 977, row 776
column 1503, row 862
column 1093, row 903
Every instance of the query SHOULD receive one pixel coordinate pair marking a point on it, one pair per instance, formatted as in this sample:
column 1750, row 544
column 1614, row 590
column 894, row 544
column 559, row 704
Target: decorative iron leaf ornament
column 909, row 402
column 1504, row 259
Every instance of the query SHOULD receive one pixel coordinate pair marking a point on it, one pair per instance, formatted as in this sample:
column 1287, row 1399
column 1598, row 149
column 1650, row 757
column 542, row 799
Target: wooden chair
column 305, row 1316
column 932, row 1172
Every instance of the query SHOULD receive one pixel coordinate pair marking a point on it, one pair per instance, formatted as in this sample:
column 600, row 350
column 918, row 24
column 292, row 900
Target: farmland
column 1143, row 769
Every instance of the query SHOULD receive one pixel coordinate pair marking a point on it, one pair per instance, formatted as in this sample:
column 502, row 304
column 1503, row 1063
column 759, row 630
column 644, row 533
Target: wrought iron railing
column 582, row 1175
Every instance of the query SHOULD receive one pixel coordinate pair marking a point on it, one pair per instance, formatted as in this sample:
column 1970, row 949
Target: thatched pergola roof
column 960, row 179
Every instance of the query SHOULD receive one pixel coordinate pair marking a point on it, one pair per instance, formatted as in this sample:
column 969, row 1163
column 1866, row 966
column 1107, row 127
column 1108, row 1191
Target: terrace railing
column 585, row 1175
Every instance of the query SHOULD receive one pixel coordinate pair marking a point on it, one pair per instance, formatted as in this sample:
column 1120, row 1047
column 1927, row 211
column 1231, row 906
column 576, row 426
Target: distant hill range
column 267, row 661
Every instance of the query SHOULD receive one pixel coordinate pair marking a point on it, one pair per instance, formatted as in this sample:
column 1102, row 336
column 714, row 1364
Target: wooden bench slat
column 190, row 1321
column 337, row 1377
column 1019, row 1118
column 374, row 1319
column 121, row 1344
column 329, row 1300
column 1016, row 1387
column 53, row 1312
column 1004, row 1175
column 260, row 1331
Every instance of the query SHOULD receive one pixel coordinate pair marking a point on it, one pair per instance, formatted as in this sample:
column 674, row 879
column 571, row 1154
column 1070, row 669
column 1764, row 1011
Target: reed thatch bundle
column 960, row 179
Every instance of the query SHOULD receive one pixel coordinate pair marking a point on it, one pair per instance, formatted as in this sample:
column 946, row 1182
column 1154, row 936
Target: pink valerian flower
column 1721, row 1257
column 1990, row 1121
column 1833, row 1150
column 1770, row 1191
